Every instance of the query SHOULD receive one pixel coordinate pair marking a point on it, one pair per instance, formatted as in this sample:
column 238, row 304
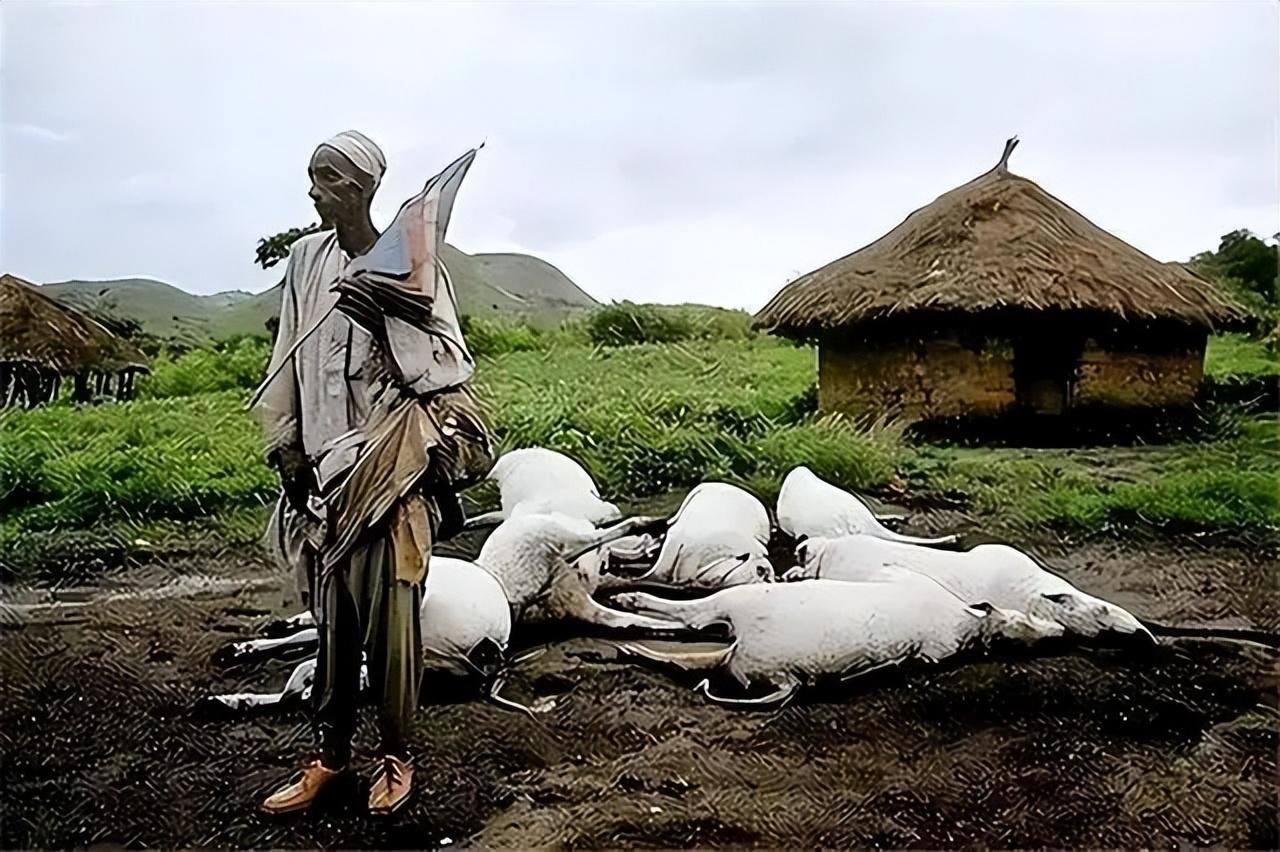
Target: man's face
column 335, row 195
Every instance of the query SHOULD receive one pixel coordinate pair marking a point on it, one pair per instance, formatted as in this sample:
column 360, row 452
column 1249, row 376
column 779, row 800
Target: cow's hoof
column 278, row 628
column 228, row 655
column 212, row 708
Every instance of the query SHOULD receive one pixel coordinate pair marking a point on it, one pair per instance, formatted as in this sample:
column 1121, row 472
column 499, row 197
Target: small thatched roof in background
column 998, row 242
column 34, row 327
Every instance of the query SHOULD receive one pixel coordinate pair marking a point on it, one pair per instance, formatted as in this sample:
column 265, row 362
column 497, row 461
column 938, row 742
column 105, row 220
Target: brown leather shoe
column 391, row 787
column 302, row 790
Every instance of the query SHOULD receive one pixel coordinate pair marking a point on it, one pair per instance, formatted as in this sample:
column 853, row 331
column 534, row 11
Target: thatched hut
column 43, row 341
column 999, row 297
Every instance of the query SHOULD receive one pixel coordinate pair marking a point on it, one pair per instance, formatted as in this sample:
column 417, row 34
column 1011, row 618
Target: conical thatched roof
column 997, row 243
column 34, row 327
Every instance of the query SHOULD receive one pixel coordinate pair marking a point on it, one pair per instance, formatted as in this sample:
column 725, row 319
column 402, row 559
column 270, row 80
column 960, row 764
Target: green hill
column 517, row 286
column 160, row 308
column 514, row 286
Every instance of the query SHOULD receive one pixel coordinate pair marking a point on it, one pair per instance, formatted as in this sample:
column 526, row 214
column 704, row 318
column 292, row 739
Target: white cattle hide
column 788, row 634
column 719, row 537
column 809, row 507
column 995, row 573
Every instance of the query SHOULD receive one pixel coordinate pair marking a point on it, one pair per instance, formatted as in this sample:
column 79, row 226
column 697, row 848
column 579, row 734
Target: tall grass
column 239, row 363
column 1224, row 484
column 173, row 458
column 178, row 458
column 1239, row 355
column 628, row 323
column 644, row 418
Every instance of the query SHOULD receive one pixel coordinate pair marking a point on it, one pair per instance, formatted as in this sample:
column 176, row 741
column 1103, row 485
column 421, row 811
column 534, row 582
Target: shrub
column 626, row 324
column 237, row 364
column 494, row 337
column 832, row 448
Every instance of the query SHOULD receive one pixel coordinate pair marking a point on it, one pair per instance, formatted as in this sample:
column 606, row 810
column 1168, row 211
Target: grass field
column 1239, row 355
column 185, row 461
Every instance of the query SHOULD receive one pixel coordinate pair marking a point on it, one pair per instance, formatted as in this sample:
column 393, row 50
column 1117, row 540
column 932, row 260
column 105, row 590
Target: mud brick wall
column 915, row 380
column 1135, row 379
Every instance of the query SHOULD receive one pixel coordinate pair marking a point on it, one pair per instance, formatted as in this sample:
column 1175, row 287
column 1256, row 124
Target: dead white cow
column 466, row 625
column 538, row 481
column 809, row 507
column 1003, row 575
column 542, row 563
column 787, row 635
column 719, row 537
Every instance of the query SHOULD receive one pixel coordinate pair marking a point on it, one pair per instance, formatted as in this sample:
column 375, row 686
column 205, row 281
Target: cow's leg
column 889, row 535
column 570, row 598
column 297, row 687
column 292, row 624
column 484, row 521
column 585, row 608
column 859, row 670
column 788, row 686
column 240, row 651
column 689, row 661
column 636, row 526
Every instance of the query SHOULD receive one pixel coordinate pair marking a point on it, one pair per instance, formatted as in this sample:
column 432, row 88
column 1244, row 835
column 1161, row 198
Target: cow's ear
column 1058, row 597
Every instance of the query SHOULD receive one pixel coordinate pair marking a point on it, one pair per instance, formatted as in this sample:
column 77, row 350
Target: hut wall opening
column 27, row 384
column 1044, row 371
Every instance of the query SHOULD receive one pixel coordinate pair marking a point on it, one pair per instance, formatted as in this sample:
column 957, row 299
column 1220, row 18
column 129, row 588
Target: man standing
column 372, row 430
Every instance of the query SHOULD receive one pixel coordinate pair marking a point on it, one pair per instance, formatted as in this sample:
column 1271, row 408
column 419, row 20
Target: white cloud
column 661, row 151
column 43, row 134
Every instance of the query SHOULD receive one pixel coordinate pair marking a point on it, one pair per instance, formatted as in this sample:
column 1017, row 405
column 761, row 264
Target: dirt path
column 100, row 744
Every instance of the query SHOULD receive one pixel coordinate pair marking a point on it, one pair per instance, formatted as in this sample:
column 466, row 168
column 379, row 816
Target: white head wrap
column 361, row 152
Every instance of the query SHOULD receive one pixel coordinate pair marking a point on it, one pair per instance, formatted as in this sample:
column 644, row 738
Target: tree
column 1246, row 263
column 275, row 248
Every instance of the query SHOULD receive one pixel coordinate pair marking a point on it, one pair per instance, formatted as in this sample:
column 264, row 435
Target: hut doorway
column 1044, row 372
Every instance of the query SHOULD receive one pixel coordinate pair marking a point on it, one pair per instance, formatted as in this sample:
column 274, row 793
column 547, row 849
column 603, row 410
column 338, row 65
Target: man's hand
column 295, row 475
column 452, row 516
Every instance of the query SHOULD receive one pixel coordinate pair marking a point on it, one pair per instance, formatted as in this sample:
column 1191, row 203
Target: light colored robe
column 321, row 401
column 324, row 393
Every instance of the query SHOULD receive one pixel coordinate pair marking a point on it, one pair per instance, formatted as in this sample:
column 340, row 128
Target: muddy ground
column 1101, row 748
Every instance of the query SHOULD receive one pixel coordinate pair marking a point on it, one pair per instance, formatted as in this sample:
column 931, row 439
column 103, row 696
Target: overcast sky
column 657, row 152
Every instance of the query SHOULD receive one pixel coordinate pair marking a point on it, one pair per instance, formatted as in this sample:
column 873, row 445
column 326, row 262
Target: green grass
column 185, row 457
column 1238, row 355
column 174, row 458
column 235, row 365
column 185, row 462
column 1225, row 484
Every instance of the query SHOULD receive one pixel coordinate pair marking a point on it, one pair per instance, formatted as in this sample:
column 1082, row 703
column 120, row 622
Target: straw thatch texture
column 999, row 243
column 35, row 328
